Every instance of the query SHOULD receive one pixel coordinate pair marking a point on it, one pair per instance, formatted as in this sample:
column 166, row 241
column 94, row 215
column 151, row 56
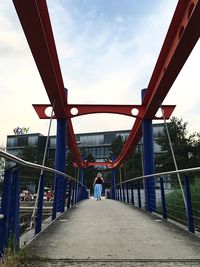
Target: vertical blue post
column 124, row 199
column 69, row 194
column 139, row 194
column 132, row 194
column 164, row 206
column 82, row 176
column 113, row 183
column 14, row 219
column 73, row 193
column 147, row 132
column 5, row 209
column 127, row 195
column 60, row 183
column 38, row 221
column 120, row 192
column 82, row 189
column 189, row 205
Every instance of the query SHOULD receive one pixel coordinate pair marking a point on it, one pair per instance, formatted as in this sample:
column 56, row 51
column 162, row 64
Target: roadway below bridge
column 111, row 233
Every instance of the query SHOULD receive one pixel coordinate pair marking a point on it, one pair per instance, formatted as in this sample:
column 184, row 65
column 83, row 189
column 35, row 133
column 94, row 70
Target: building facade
column 98, row 143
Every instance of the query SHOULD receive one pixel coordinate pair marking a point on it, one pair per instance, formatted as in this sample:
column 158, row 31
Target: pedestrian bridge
column 119, row 230
column 139, row 223
column 114, row 232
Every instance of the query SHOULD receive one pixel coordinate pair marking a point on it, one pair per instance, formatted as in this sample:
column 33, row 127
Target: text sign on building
column 19, row 130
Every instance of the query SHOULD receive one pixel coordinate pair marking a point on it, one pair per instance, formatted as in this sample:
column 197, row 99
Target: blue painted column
column 113, row 183
column 60, row 181
column 5, row 209
column 190, row 219
column 139, row 194
column 14, row 218
column 164, row 206
column 147, row 133
column 82, row 176
column 69, row 195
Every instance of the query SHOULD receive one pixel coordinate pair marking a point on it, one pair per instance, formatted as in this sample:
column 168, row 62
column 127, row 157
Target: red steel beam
column 183, row 34
column 91, row 109
column 35, row 21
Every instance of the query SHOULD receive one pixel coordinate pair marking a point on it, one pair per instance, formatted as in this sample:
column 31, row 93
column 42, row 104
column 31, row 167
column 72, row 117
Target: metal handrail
column 195, row 169
column 22, row 162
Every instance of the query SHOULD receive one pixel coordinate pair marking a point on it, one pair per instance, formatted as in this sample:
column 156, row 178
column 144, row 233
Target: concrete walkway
column 112, row 232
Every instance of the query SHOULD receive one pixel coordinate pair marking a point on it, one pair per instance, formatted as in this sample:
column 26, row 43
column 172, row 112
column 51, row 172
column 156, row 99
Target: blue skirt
column 97, row 190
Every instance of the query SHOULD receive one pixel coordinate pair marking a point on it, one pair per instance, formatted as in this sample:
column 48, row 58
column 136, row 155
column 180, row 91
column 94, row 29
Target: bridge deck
column 111, row 230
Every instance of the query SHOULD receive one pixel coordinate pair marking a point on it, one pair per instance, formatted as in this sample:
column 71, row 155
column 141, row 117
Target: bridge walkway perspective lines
column 112, row 233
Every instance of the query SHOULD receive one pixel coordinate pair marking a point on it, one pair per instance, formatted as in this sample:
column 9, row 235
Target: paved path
column 111, row 232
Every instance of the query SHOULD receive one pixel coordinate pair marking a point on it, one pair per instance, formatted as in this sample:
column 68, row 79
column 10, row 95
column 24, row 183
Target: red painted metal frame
column 182, row 36
column 115, row 109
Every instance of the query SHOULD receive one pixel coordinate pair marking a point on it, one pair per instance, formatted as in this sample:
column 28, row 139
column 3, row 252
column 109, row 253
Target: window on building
column 33, row 140
column 107, row 151
column 22, row 141
column 51, row 153
column 91, row 140
column 90, row 150
column 52, row 142
column 109, row 138
column 99, row 152
column 10, row 141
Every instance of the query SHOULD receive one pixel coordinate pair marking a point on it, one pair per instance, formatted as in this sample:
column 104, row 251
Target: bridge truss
column 182, row 35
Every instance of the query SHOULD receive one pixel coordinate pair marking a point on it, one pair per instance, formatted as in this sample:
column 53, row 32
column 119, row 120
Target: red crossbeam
column 115, row 109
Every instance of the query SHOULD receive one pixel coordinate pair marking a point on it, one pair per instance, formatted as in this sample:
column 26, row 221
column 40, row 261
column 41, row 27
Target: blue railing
column 168, row 200
column 10, row 203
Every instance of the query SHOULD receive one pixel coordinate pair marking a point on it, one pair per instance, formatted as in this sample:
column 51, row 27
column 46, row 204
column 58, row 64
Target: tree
column 116, row 146
column 89, row 173
column 34, row 155
column 186, row 147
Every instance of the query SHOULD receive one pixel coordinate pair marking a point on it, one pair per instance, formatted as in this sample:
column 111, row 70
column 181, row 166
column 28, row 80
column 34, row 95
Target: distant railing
column 10, row 203
column 169, row 202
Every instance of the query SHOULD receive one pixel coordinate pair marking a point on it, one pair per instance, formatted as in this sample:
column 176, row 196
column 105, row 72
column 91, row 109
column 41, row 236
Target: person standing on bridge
column 98, row 181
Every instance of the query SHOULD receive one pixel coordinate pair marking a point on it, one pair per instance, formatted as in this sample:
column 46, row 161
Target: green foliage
column 12, row 255
column 116, row 146
column 176, row 208
column 134, row 165
column 186, row 148
column 90, row 173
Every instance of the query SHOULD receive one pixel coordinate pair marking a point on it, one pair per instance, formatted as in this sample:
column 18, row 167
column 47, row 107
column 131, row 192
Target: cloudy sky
column 107, row 51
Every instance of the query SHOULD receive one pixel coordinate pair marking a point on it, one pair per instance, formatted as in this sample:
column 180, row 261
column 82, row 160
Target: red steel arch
column 181, row 37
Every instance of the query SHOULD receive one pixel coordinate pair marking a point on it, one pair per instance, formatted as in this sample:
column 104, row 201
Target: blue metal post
column 69, row 195
column 147, row 132
column 38, row 221
column 139, row 194
column 60, row 183
column 82, row 189
column 124, row 199
column 113, row 183
column 5, row 209
column 164, row 206
column 120, row 192
column 82, row 176
column 132, row 194
column 190, row 219
column 73, row 193
column 127, row 195
column 14, row 219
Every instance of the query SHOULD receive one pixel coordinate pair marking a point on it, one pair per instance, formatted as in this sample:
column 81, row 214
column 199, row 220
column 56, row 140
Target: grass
column 176, row 208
